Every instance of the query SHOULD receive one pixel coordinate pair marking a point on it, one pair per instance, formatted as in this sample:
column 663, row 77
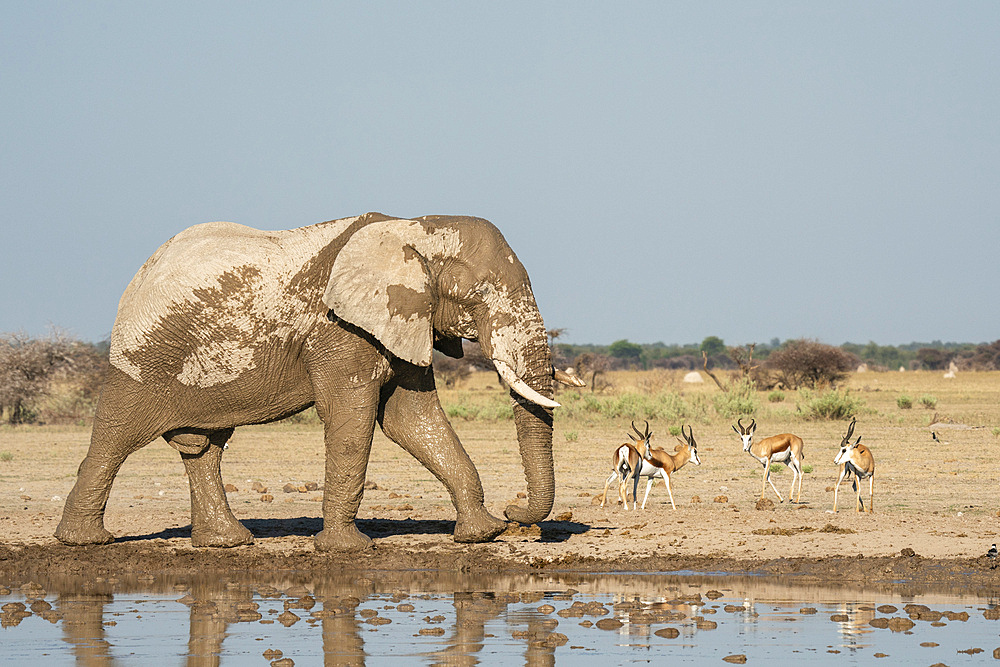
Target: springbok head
column 689, row 442
column 642, row 438
column 746, row 432
column 846, row 445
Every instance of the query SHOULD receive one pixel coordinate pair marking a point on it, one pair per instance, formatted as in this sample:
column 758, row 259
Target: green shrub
column 674, row 430
column 489, row 407
column 776, row 397
column 6, row 456
column 831, row 404
column 572, row 436
column 666, row 405
column 928, row 401
column 904, row 402
column 807, row 469
column 777, row 467
column 738, row 400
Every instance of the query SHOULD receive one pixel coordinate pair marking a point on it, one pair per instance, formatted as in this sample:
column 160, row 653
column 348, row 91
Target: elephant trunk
column 534, row 435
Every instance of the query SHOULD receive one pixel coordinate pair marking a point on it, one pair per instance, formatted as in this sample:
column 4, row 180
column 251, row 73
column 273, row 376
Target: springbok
column 629, row 462
column 785, row 448
column 857, row 460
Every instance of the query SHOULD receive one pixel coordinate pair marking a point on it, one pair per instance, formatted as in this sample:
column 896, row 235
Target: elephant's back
column 215, row 287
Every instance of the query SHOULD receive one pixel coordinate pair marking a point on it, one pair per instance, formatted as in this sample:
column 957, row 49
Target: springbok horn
column 742, row 430
column 850, row 428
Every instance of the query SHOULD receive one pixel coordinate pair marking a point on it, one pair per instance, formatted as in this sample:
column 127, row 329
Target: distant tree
column 625, row 351
column 559, row 357
column 985, row 357
column 713, row 346
column 592, row 364
column 934, row 359
column 27, row 366
column 806, row 363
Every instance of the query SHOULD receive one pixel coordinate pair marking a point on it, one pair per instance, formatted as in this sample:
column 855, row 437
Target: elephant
column 226, row 326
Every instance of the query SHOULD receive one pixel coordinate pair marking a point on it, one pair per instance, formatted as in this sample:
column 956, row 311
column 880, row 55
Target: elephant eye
column 484, row 290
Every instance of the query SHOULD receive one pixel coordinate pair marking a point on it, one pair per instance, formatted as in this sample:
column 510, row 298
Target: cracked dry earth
column 935, row 517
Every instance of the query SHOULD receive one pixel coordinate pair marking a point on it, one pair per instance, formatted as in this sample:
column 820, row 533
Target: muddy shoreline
column 19, row 563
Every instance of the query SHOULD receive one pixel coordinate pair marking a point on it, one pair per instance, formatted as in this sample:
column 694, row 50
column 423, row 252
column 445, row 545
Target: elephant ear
column 381, row 283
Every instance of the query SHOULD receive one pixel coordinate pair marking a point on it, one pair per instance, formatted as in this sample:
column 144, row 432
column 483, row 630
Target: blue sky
column 665, row 171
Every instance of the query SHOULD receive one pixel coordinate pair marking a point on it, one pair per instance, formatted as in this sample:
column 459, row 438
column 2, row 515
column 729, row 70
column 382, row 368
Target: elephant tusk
column 521, row 387
column 568, row 377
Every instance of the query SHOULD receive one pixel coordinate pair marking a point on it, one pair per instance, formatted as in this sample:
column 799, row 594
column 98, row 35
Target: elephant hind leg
column 212, row 521
column 83, row 514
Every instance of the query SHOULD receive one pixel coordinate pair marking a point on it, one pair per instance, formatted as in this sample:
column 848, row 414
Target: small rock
column 565, row 516
column 695, row 500
column 272, row 654
column 722, row 499
column 608, row 624
column 289, row 488
column 736, row 659
column 908, row 552
column 230, row 488
column 267, row 498
column 668, row 633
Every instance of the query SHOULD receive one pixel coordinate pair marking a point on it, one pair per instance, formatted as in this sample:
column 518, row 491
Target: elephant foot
column 343, row 538
column 481, row 528
column 77, row 534
column 235, row 535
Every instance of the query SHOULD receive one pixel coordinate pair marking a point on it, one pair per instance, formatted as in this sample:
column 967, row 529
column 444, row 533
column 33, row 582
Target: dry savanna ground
column 936, row 498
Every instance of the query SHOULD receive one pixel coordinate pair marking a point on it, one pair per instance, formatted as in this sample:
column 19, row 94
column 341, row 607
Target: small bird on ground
column 992, row 553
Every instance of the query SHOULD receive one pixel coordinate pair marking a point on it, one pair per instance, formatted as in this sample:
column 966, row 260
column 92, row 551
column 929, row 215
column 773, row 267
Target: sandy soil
column 936, row 504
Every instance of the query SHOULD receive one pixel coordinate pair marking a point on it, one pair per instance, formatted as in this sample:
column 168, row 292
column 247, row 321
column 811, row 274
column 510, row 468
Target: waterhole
column 289, row 618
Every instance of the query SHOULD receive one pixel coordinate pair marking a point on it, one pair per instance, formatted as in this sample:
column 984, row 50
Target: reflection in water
column 438, row 618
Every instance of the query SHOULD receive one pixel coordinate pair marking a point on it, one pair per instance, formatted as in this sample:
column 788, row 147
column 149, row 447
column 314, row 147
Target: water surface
column 447, row 618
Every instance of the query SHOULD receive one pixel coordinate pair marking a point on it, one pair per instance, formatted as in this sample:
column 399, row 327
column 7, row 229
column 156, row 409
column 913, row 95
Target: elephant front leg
column 212, row 521
column 348, row 436
column 413, row 419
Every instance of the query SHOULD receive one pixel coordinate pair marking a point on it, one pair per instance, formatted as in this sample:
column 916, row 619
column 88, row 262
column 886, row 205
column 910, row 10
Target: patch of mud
column 976, row 575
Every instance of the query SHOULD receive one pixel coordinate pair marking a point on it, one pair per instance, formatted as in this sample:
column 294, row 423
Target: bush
column 928, row 401
column 665, row 405
column 776, row 396
column 805, row 363
column 31, row 367
column 832, row 404
column 904, row 402
column 738, row 400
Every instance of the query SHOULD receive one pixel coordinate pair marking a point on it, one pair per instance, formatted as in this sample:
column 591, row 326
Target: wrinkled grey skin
column 226, row 325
